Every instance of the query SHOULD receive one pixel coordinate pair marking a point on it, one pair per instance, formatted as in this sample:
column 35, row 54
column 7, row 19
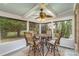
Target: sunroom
column 39, row 29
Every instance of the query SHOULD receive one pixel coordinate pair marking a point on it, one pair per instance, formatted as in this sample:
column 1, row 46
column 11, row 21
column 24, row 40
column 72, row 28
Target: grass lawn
column 11, row 36
column 14, row 34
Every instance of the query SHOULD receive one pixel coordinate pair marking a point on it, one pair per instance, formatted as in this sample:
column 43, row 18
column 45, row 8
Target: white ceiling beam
column 64, row 18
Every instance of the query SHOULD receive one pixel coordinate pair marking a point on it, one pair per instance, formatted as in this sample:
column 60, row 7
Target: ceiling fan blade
column 37, row 17
column 49, row 16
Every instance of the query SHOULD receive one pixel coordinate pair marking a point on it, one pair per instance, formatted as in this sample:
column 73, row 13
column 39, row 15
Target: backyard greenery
column 65, row 27
column 10, row 27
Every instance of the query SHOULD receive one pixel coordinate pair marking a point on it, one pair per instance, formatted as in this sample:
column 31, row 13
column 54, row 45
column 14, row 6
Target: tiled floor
column 23, row 52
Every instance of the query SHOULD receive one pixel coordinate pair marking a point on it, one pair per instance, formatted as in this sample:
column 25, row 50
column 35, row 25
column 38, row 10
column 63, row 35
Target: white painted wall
column 8, row 47
column 69, row 43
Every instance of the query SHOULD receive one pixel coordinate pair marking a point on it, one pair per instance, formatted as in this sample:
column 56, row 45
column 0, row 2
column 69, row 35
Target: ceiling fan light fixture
column 42, row 20
column 42, row 15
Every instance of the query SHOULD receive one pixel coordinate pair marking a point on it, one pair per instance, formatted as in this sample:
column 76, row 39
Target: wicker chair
column 31, row 41
column 55, row 45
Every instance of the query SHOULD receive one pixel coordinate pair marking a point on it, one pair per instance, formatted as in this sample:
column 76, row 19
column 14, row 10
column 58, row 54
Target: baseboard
column 12, row 50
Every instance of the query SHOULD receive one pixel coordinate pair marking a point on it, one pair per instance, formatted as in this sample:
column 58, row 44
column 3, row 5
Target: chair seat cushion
column 51, row 41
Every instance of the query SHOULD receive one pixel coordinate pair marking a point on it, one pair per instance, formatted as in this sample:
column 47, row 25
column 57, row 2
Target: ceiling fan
column 42, row 14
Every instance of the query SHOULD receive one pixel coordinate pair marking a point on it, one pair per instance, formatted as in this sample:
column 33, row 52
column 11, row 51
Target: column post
column 27, row 26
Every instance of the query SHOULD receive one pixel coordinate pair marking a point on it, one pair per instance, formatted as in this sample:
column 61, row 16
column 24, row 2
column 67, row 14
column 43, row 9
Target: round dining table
column 43, row 39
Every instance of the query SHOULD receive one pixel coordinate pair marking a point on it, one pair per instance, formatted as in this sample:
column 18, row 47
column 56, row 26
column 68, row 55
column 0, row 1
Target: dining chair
column 54, row 44
column 31, row 42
